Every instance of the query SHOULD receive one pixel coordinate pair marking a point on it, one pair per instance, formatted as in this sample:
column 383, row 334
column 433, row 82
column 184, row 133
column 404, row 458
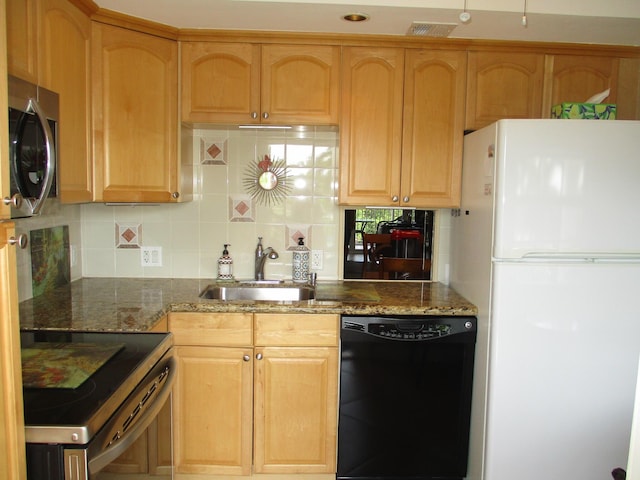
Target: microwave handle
column 51, row 155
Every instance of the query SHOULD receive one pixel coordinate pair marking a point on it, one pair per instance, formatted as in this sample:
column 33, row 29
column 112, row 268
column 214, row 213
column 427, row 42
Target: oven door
column 135, row 443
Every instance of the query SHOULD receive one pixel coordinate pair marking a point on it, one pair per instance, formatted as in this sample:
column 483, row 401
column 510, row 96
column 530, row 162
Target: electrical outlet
column 151, row 256
column 73, row 260
column 316, row 259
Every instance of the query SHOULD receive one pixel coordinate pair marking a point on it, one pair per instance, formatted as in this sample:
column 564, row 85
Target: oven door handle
column 35, row 205
column 105, row 457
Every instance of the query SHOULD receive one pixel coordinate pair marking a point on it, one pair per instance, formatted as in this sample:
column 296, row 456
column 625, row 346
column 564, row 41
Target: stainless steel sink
column 266, row 292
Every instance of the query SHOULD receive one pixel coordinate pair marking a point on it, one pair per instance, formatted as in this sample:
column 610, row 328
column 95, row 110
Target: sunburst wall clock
column 266, row 181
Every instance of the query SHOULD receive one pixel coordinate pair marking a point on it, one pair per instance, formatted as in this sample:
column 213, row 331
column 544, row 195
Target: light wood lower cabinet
column 255, row 394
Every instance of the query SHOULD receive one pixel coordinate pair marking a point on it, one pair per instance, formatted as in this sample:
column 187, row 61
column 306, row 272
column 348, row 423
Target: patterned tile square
column 213, row 151
column 294, row 232
column 241, row 208
column 128, row 235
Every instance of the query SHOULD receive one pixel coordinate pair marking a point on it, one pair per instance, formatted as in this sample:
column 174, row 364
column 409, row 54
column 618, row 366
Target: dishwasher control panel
column 410, row 328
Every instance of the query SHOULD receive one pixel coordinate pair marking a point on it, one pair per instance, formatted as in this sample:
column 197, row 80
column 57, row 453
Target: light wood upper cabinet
column 503, row 85
column 402, row 127
column 135, row 117
column 65, row 68
column 573, row 78
column 250, row 83
column 371, row 125
column 433, row 128
column 22, row 39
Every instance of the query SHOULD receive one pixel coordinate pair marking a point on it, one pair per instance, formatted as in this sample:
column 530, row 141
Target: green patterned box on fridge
column 589, row 111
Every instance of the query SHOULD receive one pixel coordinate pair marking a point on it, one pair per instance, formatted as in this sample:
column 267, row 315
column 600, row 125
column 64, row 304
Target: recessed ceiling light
column 356, row 17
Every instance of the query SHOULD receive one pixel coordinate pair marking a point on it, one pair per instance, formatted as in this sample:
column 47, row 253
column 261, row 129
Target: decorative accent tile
column 213, row 151
column 241, row 208
column 128, row 235
column 294, row 232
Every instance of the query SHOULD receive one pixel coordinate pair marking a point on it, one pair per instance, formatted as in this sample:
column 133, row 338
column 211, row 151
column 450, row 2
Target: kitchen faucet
column 261, row 258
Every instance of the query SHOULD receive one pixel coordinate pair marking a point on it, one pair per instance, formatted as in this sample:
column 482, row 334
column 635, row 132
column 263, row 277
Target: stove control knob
column 75, row 437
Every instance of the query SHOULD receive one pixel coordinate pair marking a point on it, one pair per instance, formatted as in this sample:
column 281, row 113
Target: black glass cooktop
column 89, row 402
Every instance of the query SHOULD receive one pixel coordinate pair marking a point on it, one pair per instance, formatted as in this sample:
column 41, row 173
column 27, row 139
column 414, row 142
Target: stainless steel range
column 88, row 396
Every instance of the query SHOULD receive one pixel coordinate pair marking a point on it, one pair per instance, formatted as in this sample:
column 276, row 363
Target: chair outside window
column 403, row 268
column 375, row 245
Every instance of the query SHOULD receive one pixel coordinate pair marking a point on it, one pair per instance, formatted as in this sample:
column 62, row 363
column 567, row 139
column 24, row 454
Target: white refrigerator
column 547, row 245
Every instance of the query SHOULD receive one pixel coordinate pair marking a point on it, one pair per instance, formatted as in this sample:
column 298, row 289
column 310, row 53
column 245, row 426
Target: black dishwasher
column 405, row 397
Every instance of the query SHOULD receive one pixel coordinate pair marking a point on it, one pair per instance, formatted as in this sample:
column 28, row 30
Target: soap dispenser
column 301, row 262
column 225, row 265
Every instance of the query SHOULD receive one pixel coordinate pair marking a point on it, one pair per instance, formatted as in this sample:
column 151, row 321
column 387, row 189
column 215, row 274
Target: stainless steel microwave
column 33, row 128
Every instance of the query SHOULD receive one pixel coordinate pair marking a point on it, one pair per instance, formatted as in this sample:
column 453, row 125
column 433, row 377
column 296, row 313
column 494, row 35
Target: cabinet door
column 300, row 84
column 135, row 116
column 503, row 85
column 433, row 128
column 220, row 82
column 212, row 410
column 573, row 78
column 12, row 453
column 371, row 126
column 65, row 68
column 296, row 396
column 22, row 39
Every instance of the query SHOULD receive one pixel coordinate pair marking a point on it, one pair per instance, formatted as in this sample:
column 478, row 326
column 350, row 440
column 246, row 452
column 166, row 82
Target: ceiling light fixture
column 465, row 17
column 356, row 17
column 524, row 14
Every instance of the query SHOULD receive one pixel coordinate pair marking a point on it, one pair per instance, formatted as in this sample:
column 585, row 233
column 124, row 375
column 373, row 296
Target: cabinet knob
column 21, row 241
column 246, row 358
column 405, row 199
column 265, row 115
column 259, row 356
column 175, row 195
column 15, row 201
column 254, row 115
column 394, row 198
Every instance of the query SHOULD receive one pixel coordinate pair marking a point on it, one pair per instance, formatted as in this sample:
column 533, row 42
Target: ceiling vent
column 431, row 29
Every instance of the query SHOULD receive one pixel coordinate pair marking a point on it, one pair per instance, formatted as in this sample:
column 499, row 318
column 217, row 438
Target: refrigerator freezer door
column 565, row 187
column 562, row 370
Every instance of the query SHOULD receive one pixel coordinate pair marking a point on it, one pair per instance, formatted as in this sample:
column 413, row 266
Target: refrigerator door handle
column 573, row 257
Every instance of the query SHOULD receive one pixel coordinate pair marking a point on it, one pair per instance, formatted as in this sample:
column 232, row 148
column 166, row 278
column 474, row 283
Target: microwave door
column 32, row 158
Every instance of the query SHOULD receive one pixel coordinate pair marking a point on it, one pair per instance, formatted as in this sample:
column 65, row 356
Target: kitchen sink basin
column 266, row 292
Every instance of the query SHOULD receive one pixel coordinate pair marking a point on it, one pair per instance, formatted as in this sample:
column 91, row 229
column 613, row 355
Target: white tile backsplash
column 192, row 234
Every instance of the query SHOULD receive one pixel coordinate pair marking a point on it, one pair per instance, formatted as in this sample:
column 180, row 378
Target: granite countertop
column 136, row 304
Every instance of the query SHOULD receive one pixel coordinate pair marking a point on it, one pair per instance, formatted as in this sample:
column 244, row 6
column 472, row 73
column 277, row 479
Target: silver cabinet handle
column 246, row 358
column 259, row 356
column 21, row 241
column 254, row 115
column 265, row 115
column 394, row 198
column 405, row 199
column 15, row 201
column 175, row 195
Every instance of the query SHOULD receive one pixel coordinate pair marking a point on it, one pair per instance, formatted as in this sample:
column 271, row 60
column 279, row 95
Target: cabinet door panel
column 212, row 411
column 295, row 410
column 433, row 128
column 22, row 39
column 572, row 78
column 371, row 125
column 300, row 84
column 220, row 82
column 503, row 85
column 65, row 68
column 12, row 456
column 136, row 113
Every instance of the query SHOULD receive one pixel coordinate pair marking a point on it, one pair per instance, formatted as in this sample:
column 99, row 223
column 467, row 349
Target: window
column 403, row 234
